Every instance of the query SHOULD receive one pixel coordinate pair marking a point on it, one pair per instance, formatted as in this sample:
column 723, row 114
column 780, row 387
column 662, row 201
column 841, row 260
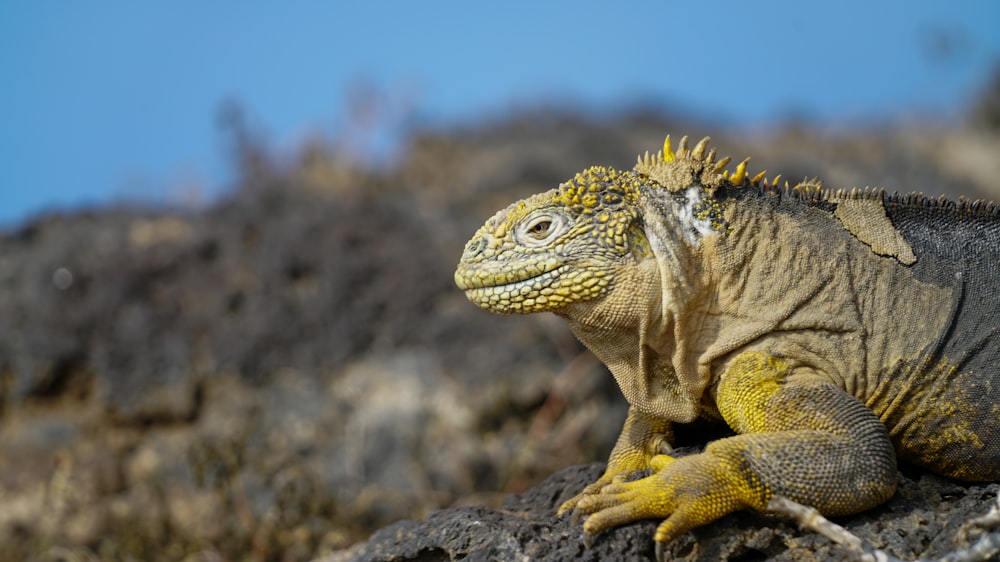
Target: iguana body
column 833, row 331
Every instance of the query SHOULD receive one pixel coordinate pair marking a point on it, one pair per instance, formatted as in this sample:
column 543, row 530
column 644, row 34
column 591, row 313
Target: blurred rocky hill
column 280, row 374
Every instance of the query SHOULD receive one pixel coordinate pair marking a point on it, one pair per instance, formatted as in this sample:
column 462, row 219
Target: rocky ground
column 279, row 375
column 921, row 520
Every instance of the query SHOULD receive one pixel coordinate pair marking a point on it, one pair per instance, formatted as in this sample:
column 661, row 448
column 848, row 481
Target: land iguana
column 833, row 331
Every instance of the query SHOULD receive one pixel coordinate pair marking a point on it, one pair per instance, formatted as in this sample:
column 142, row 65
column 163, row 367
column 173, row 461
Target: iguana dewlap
column 833, row 331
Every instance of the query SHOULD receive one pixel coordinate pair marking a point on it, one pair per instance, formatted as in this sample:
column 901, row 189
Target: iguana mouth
column 505, row 294
column 469, row 279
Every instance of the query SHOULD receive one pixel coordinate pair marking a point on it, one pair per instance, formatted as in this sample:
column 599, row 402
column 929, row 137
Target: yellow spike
column 786, row 184
column 725, row 173
column 668, row 153
column 722, row 164
column 776, row 179
column 682, row 148
column 699, row 149
column 741, row 172
column 711, row 156
column 758, row 177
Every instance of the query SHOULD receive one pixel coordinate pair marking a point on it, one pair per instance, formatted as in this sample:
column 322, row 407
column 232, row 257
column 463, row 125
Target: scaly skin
column 517, row 268
column 833, row 331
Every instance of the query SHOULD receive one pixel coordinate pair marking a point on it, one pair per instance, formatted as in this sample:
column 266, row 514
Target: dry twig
column 985, row 548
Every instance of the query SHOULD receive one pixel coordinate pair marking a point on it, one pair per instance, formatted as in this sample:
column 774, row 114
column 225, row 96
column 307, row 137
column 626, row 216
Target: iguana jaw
column 523, row 284
column 500, row 291
column 471, row 278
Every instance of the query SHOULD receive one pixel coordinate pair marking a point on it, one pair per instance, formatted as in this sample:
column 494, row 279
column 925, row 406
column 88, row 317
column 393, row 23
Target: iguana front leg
column 642, row 438
column 799, row 437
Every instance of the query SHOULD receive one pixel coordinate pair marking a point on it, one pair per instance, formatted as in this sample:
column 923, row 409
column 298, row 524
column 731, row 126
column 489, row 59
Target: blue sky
column 107, row 100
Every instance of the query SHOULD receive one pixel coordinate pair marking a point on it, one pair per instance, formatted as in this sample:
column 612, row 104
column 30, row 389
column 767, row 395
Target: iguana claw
column 661, row 552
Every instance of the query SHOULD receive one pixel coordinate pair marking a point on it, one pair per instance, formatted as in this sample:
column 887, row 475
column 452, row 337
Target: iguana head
column 557, row 247
column 567, row 245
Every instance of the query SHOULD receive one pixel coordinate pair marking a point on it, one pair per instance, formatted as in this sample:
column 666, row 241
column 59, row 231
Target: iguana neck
column 645, row 329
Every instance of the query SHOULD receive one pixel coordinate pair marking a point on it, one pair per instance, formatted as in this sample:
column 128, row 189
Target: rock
column 920, row 520
column 524, row 528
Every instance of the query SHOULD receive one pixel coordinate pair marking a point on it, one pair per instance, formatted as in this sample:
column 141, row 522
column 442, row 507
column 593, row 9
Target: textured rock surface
column 919, row 521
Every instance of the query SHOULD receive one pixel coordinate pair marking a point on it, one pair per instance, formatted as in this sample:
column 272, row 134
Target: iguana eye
column 540, row 229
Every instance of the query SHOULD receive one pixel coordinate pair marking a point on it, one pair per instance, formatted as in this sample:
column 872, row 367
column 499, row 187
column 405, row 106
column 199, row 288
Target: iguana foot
column 611, row 478
column 642, row 441
column 681, row 491
column 607, row 479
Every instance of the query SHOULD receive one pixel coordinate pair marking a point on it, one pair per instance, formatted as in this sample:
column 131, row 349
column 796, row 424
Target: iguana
column 833, row 331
